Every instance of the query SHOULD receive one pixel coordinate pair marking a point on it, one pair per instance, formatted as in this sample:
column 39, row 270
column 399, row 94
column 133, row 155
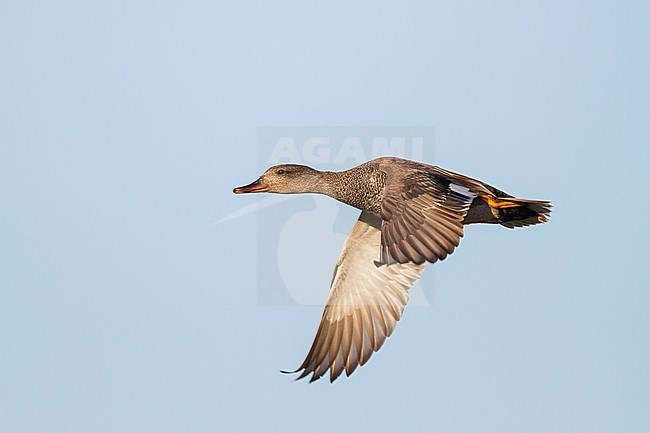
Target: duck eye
column 280, row 171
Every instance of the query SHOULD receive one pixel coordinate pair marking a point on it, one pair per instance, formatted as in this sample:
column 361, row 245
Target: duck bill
column 257, row 186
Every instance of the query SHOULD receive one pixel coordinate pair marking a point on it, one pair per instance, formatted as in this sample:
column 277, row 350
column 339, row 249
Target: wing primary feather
column 366, row 299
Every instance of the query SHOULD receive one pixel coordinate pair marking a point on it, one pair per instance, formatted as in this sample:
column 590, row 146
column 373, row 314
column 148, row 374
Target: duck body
column 364, row 187
column 423, row 207
column 412, row 213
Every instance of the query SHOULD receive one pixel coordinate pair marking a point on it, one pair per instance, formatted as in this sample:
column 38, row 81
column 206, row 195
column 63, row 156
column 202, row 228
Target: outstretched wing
column 365, row 302
column 422, row 216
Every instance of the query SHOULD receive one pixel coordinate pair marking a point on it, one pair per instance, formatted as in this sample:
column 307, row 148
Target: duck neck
column 353, row 187
column 325, row 183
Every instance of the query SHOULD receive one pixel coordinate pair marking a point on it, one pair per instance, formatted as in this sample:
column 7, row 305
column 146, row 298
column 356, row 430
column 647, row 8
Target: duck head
column 285, row 179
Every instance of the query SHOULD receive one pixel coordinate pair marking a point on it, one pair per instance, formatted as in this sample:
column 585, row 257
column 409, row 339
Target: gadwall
column 411, row 213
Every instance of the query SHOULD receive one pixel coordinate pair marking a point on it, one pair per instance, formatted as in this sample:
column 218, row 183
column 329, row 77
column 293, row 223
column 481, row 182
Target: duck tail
column 516, row 212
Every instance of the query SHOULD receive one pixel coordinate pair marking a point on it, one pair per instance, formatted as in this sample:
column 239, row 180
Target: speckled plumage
column 361, row 187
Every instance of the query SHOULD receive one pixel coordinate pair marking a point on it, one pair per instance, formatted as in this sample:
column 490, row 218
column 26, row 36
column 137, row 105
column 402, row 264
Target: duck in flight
column 411, row 214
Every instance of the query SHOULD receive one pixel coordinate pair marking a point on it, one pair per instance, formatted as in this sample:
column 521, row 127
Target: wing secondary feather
column 422, row 218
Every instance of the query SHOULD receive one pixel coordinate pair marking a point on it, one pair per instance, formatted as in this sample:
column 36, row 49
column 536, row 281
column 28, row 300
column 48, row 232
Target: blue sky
column 125, row 126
